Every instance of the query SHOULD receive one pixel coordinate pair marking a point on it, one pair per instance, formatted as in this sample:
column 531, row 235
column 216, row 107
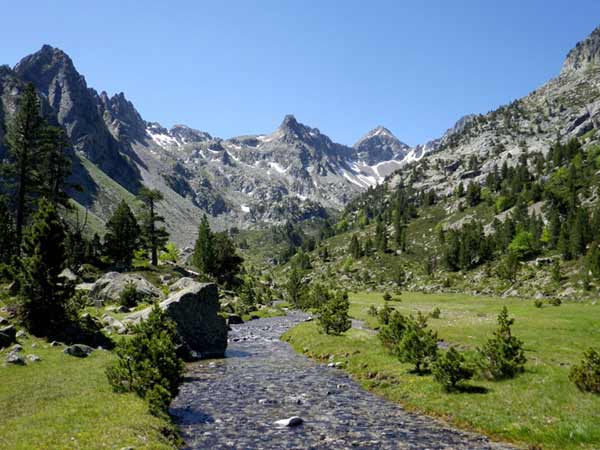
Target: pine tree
column 381, row 235
column 419, row 344
column 123, row 236
column 8, row 248
column 43, row 293
column 333, row 314
column 204, row 250
column 354, row 247
column 502, row 356
column 55, row 165
column 154, row 237
column 227, row 263
column 25, row 148
column 294, row 287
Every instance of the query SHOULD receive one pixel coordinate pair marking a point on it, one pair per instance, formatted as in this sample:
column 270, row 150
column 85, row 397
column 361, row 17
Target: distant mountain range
column 294, row 173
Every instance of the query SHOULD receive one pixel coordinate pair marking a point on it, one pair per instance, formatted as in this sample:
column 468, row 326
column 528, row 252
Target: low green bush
column 147, row 363
column 450, row 369
column 586, row 374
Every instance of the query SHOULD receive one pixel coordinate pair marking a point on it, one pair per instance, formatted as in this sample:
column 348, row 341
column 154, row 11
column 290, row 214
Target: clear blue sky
column 237, row 67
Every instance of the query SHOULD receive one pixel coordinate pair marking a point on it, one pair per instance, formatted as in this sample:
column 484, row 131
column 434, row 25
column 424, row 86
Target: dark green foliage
column 354, row 247
column 385, row 313
column 586, row 374
column 25, row 147
column 55, row 165
column 8, row 248
column 392, row 330
column 43, row 293
column 538, row 303
column 122, row 238
column 147, row 363
column 436, row 313
column 387, row 297
column 215, row 255
column 555, row 301
column 333, row 314
column 508, row 268
column 502, row 356
column 419, row 344
column 372, row 311
column 294, row 287
column 228, row 263
column 302, row 260
column 381, row 240
column 130, row 296
column 465, row 248
column 556, row 274
column 450, row 369
column 473, row 194
column 204, row 250
column 154, row 237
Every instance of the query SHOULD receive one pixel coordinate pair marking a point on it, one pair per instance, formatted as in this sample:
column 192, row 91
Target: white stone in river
column 291, row 422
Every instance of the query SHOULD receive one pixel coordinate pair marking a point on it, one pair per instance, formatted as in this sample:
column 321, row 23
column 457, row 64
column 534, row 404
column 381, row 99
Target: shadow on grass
column 470, row 389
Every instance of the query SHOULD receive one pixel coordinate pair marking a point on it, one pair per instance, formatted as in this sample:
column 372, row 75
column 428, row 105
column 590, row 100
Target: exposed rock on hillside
column 195, row 311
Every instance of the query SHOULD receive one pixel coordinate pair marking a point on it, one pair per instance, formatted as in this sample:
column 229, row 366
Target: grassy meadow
column 540, row 408
column 63, row 402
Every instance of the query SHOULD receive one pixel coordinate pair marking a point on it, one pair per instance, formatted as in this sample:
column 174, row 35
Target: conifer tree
column 204, row 250
column 8, row 248
column 294, row 287
column 154, row 237
column 123, row 236
column 43, row 293
column 55, row 165
column 354, row 247
column 25, row 146
column 381, row 235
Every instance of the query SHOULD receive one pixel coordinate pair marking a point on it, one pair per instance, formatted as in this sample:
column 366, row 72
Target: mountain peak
column 585, row 53
column 289, row 122
column 379, row 145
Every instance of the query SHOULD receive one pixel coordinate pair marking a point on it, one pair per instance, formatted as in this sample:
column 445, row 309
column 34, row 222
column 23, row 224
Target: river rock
column 114, row 324
column 8, row 335
column 291, row 422
column 108, row 288
column 195, row 311
column 78, row 350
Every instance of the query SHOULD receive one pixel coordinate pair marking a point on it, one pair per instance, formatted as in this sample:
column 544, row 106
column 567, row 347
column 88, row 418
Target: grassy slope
column 539, row 407
column 65, row 402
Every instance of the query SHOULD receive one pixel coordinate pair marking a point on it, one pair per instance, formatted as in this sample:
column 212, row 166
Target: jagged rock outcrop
column 75, row 107
column 380, row 145
column 195, row 311
column 584, row 55
column 121, row 117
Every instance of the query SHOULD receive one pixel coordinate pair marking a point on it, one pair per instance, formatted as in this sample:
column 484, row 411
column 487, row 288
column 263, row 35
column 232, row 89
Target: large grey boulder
column 195, row 311
column 78, row 350
column 108, row 288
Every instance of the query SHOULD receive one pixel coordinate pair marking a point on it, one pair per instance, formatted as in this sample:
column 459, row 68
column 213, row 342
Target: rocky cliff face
column 380, row 145
column 584, row 55
column 75, row 107
column 564, row 108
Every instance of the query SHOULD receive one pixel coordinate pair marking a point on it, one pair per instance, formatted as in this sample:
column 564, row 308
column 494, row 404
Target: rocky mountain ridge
column 295, row 172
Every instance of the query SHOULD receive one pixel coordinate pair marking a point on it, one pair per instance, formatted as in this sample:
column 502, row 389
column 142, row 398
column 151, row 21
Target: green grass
column 540, row 407
column 65, row 402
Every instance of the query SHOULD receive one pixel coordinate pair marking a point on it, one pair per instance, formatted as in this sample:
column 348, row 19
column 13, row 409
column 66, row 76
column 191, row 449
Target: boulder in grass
column 15, row 359
column 108, row 288
column 78, row 350
column 195, row 311
column 291, row 422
